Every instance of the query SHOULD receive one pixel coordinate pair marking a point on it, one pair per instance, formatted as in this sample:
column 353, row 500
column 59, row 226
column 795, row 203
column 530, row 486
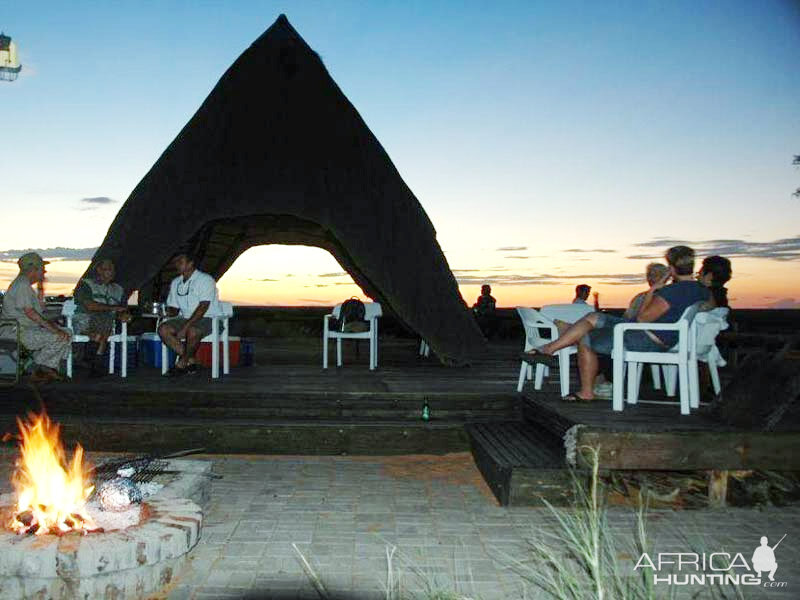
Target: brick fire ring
column 113, row 565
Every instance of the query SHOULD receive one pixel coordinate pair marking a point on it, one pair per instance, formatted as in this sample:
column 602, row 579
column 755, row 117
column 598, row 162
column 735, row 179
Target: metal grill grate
column 145, row 468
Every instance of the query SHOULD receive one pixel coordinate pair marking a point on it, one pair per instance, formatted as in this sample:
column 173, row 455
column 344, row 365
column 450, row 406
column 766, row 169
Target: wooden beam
column 694, row 450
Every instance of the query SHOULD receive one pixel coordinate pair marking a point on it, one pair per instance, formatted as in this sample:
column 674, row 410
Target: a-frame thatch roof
column 277, row 154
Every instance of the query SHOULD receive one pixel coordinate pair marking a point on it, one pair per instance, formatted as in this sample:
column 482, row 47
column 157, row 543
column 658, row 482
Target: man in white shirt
column 191, row 302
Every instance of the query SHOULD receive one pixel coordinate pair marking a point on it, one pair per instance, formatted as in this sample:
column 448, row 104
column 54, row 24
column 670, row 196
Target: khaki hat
column 30, row 261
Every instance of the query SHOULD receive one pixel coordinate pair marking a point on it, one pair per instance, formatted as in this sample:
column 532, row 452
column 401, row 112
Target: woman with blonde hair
column 655, row 272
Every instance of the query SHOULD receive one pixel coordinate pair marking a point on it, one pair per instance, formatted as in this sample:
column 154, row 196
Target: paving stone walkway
column 343, row 513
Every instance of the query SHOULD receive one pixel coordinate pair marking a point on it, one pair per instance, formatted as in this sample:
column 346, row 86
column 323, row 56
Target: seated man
column 594, row 333
column 49, row 343
column 582, row 293
column 97, row 302
column 191, row 302
column 485, row 310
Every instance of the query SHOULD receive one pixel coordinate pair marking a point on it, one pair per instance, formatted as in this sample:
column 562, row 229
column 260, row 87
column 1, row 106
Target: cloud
column 251, row 279
column 95, row 202
column 516, row 256
column 783, row 250
column 339, row 274
column 553, row 279
column 601, row 250
column 512, row 249
column 57, row 253
column 98, row 200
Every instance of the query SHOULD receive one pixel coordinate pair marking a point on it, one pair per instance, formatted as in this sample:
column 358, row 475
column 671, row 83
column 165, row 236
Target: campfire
column 51, row 494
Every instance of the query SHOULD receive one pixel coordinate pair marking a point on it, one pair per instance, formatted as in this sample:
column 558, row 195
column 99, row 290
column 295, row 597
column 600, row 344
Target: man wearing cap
column 192, row 300
column 49, row 343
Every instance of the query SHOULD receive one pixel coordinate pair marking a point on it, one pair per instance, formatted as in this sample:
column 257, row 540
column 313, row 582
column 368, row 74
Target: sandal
column 176, row 372
column 574, row 398
column 536, row 357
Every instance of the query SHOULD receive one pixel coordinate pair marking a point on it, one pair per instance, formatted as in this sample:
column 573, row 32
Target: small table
column 152, row 316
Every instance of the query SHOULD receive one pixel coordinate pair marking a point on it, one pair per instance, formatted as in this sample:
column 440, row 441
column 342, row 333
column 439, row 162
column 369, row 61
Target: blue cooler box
column 150, row 351
column 247, row 353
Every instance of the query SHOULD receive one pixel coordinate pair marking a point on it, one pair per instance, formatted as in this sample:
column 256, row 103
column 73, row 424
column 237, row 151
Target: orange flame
column 51, row 495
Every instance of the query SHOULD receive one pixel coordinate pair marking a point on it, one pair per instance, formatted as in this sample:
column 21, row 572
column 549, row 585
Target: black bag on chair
column 351, row 316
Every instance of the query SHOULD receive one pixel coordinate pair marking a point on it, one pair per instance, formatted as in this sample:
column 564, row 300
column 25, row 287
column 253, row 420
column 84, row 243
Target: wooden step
column 222, row 404
column 522, row 465
column 654, row 436
column 243, row 436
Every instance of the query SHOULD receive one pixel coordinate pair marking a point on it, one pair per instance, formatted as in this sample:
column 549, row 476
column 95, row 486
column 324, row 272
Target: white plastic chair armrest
column 621, row 328
column 651, row 326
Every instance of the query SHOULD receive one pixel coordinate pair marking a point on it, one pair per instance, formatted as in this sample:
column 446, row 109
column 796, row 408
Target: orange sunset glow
column 305, row 276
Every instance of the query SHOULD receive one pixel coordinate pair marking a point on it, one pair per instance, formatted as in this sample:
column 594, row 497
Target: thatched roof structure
column 277, row 154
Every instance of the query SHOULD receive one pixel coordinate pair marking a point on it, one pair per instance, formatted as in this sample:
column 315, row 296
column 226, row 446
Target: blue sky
column 548, row 126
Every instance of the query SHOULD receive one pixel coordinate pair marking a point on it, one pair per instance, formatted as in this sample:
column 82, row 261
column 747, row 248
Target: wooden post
column 717, row 488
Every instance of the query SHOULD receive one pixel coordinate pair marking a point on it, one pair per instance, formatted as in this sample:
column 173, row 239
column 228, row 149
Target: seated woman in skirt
column 98, row 301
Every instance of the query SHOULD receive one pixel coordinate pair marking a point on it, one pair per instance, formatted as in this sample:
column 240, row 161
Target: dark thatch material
column 277, row 154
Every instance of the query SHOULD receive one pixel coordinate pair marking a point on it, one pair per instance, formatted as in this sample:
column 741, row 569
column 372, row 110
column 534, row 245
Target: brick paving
column 450, row 535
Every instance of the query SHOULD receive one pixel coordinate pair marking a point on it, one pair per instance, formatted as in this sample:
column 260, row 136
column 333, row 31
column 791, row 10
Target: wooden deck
column 287, row 404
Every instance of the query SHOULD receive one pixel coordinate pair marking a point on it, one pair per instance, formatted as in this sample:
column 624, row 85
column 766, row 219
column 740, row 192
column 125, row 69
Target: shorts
column 203, row 325
column 94, row 324
column 601, row 338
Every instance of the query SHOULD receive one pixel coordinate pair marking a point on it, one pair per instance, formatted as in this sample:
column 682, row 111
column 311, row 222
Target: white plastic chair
column 10, row 347
column 537, row 321
column 119, row 338
column 215, row 337
column 68, row 311
column 703, row 333
column 372, row 312
column 678, row 355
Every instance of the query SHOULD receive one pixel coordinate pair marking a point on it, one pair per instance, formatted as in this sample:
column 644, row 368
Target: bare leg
column 587, row 368
column 562, row 326
column 572, row 335
column 102, row 342
column 167, row 333
column 192, row 344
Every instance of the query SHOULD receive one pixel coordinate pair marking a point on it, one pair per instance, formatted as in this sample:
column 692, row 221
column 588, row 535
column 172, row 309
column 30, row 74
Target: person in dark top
column 594, row 333
column 714, row 273
column 485, row 311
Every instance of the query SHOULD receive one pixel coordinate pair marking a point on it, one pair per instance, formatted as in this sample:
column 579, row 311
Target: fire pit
column 57, row 543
